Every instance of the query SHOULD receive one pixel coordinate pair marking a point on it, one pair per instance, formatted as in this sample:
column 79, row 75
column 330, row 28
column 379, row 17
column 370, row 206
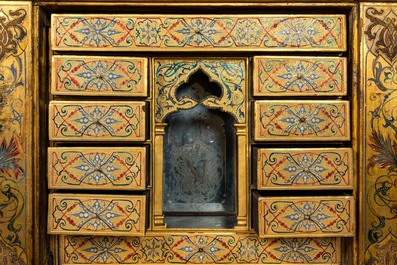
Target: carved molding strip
column 191, row 32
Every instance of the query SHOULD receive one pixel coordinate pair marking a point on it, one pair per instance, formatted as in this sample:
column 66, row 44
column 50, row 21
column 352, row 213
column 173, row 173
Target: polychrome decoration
column 15, row 133
column 379, row 81
column 230, row 74
column 188, row 32
column 300, row 76
column 99, row 76
column 96, row 214
column 198, row 249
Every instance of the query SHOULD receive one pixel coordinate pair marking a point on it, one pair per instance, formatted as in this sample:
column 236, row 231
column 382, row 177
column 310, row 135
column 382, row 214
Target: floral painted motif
column 131, row 32
column 104, row 168
column 294, row 76
column 96, row 215
column 100, row 76
column 379, row 55
column 305, row 169
column 230, row 74
column 302, row 216
column 97, row 120
column 307, row 121
column 198, row 249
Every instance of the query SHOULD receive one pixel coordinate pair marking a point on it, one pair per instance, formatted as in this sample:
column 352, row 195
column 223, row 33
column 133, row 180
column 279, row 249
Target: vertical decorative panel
column 15, row 133
column 96, row 214
column 379, row 81
column 198, row 249
column 99, row 76
column 110, row 168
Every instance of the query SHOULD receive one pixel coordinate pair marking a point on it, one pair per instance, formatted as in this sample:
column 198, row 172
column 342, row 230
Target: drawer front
column 300, row 76
column 206, row 32
column 306, row 216
column 76, row 214
column 277, row 120
column 94, row 168
column 97, row 121
column 99, row 76
column 191, row 248
column 302, row 169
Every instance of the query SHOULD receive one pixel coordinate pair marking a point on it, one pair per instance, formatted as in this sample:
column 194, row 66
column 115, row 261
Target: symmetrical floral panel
column 96, row 214
column 105, row 168
column 306, row 216
column 300, row 76
column 309, row 120
column 192, row 32
column 230, row 74
column 15, row 133
column 379, row 81
column 99, row 76
column 293, row 169
column 93, row 121
column 198, row 249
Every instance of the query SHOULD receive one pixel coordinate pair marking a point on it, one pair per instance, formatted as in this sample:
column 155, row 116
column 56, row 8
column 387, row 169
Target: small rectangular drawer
column 210, row 32
column 303, row 169
column 304, row 120
column 332, row 216
column 97, row 168
column 99, row 76
column 97, row 121
column 300, row 76
column 78, row 214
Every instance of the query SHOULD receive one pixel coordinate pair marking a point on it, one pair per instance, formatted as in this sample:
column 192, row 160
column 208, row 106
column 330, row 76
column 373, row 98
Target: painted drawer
column 99, row 76
column 277, row 120
column 198, row 248
column 192, row 32
column 78, row 214
column 332, row 216
column 94, row 168
column 302, row 169
column 97, row 121
column 300, row 76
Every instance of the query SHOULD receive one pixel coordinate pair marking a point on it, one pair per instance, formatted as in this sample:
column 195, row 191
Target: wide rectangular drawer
column 97, row 168
column 300, row 76
column 186, row 32
column 99, row 76
column 304, row 120
column 97, row 121
column 303, row 169
column 328, row 216
column 78, row 214
column 198, row 248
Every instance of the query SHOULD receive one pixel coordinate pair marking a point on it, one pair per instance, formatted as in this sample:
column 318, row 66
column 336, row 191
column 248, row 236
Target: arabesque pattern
column 230, row 74
column 300, row 76
column 110, row 168
column 293, row 169
column 99, row 76
column 93, row 121
column 277, row 120
column 199, row 249
column 96, row 214
column 192, row 32
column 306, row 216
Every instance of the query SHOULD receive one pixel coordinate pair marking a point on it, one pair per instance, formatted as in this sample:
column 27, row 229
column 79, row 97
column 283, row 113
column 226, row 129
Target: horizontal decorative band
column 198, row 249
column 310, row 120
column 302, row 169
column 306, row 216
column 76, row 214
column 97, row 121
column 204, row 32
column 97, row 168
column 99, row 76
column 300, row 76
